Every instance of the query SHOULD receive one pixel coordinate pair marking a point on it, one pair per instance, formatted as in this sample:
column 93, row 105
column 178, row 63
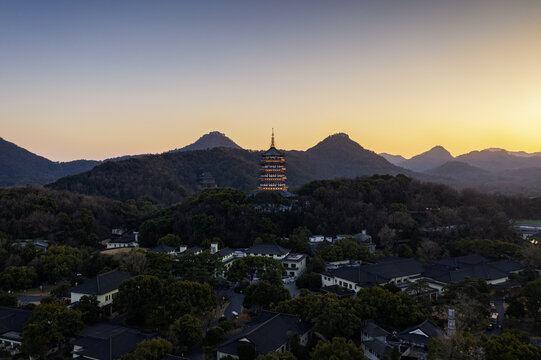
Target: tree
column 250, row 266
column 159, row 264
column 462, row 346
column 511, row 345
column 201, row 267
column 89, row 307
column 59, row 262
column 8, row 300
column 133, row 262
column 246, row 352
column 50, row 325
column 264, row 294
column 170, row 240
column 18, row 277
column 298, row 240
column 345, row 249
column 337, row 349
column 214, row 335
column 152, row 349
column 139, row 297
column 185, row 332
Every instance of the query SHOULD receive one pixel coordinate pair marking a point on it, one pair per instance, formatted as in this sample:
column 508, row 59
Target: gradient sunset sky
column 97, row 79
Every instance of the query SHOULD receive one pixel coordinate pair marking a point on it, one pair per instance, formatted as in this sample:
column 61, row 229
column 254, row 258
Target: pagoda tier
column 273, row 170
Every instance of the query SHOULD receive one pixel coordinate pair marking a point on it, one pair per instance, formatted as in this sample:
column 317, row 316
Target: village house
column 295, row 264
column 104, row 341
column 266, row 249
column 271, row 331
column 104, row 286
column 387, row 270
column 11, row 327
column 121, row 239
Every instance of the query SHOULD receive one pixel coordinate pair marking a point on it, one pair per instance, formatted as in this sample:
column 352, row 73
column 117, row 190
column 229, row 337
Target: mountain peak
column 211, row 140
column 336, row 142
column 432, row 158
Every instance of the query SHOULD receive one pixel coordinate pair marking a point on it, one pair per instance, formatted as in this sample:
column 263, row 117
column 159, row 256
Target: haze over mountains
column 172, row 175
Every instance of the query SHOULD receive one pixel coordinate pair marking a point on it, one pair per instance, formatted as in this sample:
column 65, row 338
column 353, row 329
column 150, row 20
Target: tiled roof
column 13, row 319
column 102, row 284
column 272, row 152
column 267, row 333
column 379, row 347
column 108, row 341
column 421, row 333
column 225, row 252
column 267, row 249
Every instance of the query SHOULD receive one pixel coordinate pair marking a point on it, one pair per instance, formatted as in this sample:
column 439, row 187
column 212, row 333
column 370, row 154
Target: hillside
column 460, row 171
column 21, row 167
column 168, row 178
column 432, row 158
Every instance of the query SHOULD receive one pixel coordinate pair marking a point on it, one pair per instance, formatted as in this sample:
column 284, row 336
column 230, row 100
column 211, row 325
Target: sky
column 98, row 79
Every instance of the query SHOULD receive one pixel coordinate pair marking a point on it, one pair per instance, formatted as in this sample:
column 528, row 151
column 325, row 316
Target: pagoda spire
column 272, row 139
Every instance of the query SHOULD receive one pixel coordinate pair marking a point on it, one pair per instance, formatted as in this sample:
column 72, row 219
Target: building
column 374, row 341
column 104, row 286
column 205, row 180
column 104, row 341
column 11, row 327
column 271, row 331
column 387, row 270
column 273, row 170
column 295, row 264
column 268, row 249
column 121, row 239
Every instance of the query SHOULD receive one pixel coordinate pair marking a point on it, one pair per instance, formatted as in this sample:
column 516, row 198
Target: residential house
column 295, row 264
column 11, row 327
column 125, row 240
column 104, row 341
column 387, row 270
column 413, row 341
column 104, row 286
column 268, row 249
column 456, row 269
column 271, row 331
column 374, row 341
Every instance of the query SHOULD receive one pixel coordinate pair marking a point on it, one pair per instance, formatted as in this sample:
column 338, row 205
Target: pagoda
column 273, row 170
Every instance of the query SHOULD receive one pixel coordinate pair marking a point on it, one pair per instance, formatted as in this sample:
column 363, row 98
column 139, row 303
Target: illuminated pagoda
column 273, row 170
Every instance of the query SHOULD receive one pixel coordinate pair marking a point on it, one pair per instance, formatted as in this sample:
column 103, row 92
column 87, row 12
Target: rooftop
column 101, row 284
column 267, row 249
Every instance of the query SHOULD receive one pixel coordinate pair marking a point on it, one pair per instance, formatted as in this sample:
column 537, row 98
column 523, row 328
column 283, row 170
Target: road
column 235, row 303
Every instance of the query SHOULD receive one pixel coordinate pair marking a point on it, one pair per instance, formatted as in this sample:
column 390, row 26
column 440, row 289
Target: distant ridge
column 393, row 159
column 20, row 167
column 432, row 158
column 211, row 140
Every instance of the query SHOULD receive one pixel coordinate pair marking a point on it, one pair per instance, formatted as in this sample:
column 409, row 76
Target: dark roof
column 421, row 333
column 485, row 271
column 462, row 261
column 108, row 341
column 192, row 250
column 102, row 284
column 507, row 265
column 13, row 319
column 267, row 333
column 379, row 347
column 374, row 330
column 163, row 248
column 267, row 249
column 338, row 291
column 225, row 252
column 124, row 239
column 381, row 272
column 272, row 152
column 293, row 257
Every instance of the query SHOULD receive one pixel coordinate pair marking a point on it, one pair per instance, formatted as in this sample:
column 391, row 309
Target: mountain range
column 170, row 176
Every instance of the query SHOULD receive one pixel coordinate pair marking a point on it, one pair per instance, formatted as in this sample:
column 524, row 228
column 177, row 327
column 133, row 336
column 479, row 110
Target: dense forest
column 395, row 210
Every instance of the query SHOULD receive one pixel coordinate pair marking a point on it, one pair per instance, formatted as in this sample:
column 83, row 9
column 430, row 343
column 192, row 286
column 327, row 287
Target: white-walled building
column 104, row 286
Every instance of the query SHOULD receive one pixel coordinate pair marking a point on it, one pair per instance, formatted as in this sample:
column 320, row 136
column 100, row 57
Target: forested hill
column 21, row 167
column 168, row 178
